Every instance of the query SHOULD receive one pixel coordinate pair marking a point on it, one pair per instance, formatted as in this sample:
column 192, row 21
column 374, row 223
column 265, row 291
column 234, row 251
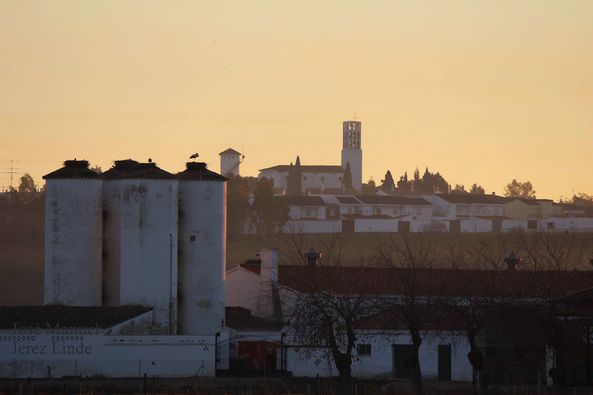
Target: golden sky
column 483, row 91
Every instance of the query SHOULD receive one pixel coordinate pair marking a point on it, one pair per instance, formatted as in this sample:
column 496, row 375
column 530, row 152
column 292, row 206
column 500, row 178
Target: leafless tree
column 471, row 268
column 320, row 306
column 557, row 261
column 417, row 294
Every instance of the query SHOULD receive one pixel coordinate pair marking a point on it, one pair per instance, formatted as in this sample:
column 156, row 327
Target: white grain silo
column 73, row 235
column 140, row 232
column 202, row 255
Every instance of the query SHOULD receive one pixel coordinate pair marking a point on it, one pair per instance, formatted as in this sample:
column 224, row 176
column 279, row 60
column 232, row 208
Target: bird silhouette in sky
column 194, row 156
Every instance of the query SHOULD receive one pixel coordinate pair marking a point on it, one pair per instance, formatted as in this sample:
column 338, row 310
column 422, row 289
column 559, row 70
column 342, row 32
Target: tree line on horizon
column 252, row 200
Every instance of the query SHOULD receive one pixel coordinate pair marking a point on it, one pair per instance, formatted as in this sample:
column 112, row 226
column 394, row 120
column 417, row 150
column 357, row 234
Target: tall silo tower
column 230, row 161
column 352, row 151
column 202, row 254
column 140, row 233
column 73, row 222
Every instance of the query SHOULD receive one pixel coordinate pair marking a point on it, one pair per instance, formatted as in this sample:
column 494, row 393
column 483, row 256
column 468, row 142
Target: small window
column 192, row 238
column 363, row 350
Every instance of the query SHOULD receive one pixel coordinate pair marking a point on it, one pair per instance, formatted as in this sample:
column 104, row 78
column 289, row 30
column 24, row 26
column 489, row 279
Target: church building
column 325, row 179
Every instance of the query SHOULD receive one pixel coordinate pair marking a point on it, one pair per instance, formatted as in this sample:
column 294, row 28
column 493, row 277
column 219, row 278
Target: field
column 21, row 264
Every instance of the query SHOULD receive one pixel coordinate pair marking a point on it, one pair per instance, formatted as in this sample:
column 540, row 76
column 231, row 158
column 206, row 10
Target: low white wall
column 514, row 224
column 429, row 225
column 566, row 224
column 476, row 225
column 313, row 226
column 375, row 225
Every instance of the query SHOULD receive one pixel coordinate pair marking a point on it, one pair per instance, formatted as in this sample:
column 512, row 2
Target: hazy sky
column 483, row 91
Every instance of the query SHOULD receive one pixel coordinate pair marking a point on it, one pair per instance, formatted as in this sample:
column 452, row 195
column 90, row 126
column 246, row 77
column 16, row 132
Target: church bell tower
column 352, row 152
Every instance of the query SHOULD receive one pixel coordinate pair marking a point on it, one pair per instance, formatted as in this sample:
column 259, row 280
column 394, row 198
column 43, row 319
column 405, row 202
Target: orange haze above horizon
column 481, row 91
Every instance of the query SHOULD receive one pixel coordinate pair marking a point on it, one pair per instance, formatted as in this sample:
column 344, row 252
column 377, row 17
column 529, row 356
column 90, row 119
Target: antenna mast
column 11, row 170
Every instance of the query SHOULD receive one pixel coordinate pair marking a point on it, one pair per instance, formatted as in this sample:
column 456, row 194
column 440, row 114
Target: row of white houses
column 454, row 213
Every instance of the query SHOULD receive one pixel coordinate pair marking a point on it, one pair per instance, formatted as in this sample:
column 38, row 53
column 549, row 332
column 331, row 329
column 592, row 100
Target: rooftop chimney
column 312, row 257
column 269, row 264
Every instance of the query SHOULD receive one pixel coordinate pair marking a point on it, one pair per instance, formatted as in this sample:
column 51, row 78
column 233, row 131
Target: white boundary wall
column 88, row 352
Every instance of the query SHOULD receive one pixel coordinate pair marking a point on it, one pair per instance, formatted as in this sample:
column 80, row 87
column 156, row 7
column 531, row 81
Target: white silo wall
column 73, row 242
column 141, row 246
column 202, row 258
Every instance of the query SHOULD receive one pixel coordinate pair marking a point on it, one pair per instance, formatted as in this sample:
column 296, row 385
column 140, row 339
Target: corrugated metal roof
column 67, row 316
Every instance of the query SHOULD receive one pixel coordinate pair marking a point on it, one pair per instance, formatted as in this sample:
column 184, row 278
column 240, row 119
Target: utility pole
column 11, row 170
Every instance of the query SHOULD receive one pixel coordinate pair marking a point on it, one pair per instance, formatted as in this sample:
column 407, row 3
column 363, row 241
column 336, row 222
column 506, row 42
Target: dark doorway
column 445, row 362
column 347, row 226
column 403, row 227
column 455, row 226
column 257, row 357
column 402, row 357
column 496, row 225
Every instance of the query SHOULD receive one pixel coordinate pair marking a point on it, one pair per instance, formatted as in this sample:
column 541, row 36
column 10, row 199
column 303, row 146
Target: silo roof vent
column 198, row 171
column 73, row 169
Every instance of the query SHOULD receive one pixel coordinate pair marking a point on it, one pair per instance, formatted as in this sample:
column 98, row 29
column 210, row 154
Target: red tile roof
column 435, row 282
column 308, row 168
column 348, row 200
column 252, row 265
column 315, row 201
column 229, row 151
column 392, row 200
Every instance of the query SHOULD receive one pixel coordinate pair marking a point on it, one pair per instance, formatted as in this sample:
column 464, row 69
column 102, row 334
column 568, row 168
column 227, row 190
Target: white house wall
column 309, row 180
column 310, row 363
column 230, row 164
column 567, row 224
column 249, row 290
